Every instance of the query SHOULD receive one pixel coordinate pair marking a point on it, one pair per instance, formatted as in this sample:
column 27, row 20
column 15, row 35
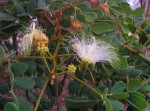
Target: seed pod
column 93, row 3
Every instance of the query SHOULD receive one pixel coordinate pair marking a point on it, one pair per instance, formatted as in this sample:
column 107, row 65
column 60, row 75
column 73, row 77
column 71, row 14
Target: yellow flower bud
column 72, row 68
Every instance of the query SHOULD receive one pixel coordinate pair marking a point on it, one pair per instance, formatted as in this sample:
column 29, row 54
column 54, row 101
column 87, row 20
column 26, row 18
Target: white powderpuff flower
column 134, row 4
column 26, row 43
column 27, row 40
column 92, row 50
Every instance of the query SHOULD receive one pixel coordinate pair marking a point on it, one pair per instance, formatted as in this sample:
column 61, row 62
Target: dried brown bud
column 93, row 3
column 105, row 8
column 40, row 39
column 76, row 25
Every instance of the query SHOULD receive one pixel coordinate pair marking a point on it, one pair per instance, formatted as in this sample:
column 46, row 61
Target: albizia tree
column 74, row 55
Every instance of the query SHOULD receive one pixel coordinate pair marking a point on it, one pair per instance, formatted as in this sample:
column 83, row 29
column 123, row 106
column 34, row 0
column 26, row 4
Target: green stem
column 44, row 87
column 41, row 94
column 65, row 55
column 146, row 81
column 23, row 57
column 91, row 75
column 138, row 54
column 86, row 85
column 62, row 62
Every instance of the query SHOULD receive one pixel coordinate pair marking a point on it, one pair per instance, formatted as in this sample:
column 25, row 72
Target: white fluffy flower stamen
column 92, row 50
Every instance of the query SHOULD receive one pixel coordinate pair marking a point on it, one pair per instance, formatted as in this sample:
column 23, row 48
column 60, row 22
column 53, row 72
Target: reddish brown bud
column 93, row 3
column 76, row 25
column 105, row 8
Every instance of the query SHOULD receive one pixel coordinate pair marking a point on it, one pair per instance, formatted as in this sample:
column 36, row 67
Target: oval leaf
column 90, row 16
column 78, row 102
column 24, row 83
column 19, row 68
column 10, row 106
column 138, row 12
column 100, row 28
column 116, row 106
column 138, row 102
column 120, row 96
column 108, row 105
column 123, row 62
column 119, row 87
column 19, row 8
column 6, row 17
column 24, row 105
column 134, row 85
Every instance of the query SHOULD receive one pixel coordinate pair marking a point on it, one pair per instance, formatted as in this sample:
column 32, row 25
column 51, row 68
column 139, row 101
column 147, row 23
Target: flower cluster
column 92, row 50
column 71, row 69
column 35, row 38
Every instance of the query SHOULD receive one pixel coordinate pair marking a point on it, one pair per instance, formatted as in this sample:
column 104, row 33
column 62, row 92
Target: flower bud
column 105, row 8
column 72, row 69
column 136, row 37
column 76, row 25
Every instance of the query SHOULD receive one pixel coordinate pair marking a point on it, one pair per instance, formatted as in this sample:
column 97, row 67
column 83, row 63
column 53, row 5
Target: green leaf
column 19, row 68
column 99, row 28
column 90, row 16
column 24, row 83
column 99, row 13
column 120, row 96
column 81, row 18
column 125, row 71
column 138, row 102
column 31, row 6
column 73, row 87
column 6, row 17
column 83, row 7
column 123, row 62
column 138, row 12
column 31, row 66
column 4, row 89
column 41, row 4
column 125, row 28
column 118, row 9
column 78, row 102
column 137, row 94
column 112, row 24
column 119, row 87
column 136, row 73
column 145, row 88
column 134, row 85
column 10, row 106
column 127, row 9
column 116, row 106
column 39, row 82
column 19, row 8
column 24, row 105
column 1, row 53
column 58, row 4
column 108, row 105
column 48, row 1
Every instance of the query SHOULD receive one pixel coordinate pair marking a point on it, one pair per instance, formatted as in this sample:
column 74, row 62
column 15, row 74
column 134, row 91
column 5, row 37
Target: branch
column 136, row 52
